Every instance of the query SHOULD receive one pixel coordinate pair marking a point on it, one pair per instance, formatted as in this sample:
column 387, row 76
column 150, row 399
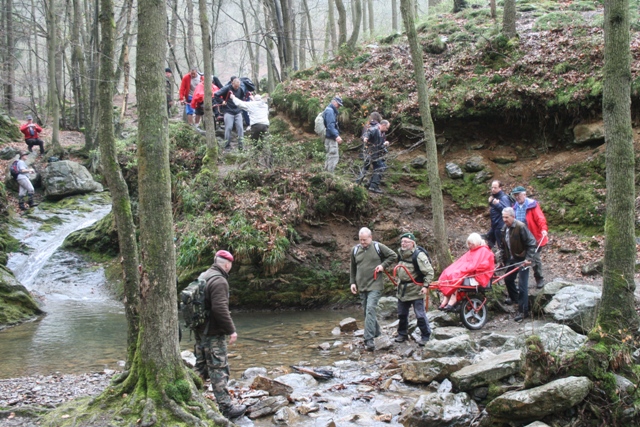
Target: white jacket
column 258, row 111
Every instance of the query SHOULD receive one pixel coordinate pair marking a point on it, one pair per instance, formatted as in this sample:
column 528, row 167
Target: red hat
column 225, row 254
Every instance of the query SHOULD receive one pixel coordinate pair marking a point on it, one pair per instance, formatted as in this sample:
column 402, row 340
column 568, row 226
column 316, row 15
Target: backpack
column 15, row 171
column 512, row 199
column 376, row 246
column 419, row 276
column 247, row 84
column 319, row 126
column 192, row 304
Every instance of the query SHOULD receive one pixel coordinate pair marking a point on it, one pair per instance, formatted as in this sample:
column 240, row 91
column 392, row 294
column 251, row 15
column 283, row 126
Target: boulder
column 426, row 371
column 453, row 170
column 504, row 159
column 592, row 268
column 251, row 373
column 447, row 332
column 482, row 176
column 441, row 318
column 297, row 381
column 419, row 162
column 440, row 409
column 458, row 346
column 557, row 338
column 387, row 307
column 575, row 306
column 285, row 416
column 474, row 164
column 17, row 303
column 588, row 133
column 393, row 407
column 274, row 387
column 537, row 424
column 8, row 153
column 538, row 402
column 493, row 340
column 65, row 178
column 487, row 371
column 348, row 325
column 268, row 406
column 100, row 237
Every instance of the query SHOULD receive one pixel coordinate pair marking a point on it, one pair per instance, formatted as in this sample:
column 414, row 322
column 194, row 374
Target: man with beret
column 528, row 211
column 213, row 333
column 332, row 134
column 31, row 132
column 408, row 293
column 368, row 260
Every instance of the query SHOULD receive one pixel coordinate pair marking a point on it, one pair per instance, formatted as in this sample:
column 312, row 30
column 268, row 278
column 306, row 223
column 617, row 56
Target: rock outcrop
column 65, row 178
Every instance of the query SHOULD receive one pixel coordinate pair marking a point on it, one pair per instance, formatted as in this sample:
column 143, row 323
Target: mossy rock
column 9, row 129
column 16, row 303
column 100, row 238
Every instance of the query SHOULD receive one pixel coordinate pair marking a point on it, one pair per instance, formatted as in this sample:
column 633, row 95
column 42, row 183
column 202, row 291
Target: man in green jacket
column 367, row 258
column 408, row 293
column 215, row 330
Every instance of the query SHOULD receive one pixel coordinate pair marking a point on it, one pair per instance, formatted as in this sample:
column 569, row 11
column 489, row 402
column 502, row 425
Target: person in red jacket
column 31, row 133
column 187, row 87
column 197, row 100
column 528, row 211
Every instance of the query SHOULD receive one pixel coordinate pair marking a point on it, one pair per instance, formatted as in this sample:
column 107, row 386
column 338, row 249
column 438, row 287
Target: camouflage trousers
column 215, row 351
column 201, row 360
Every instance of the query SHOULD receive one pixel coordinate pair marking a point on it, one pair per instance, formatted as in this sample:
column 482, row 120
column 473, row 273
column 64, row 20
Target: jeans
column 379, row 166
column 231, row 120
column 369, row 301
column 521, row 294
column 494, row 236
column 421, row 316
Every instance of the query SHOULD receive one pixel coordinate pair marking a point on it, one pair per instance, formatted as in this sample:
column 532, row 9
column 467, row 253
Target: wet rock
column 307, row 408
column 538, row 402
column 556, row 338
column 383, row 343
column 348, row 325
column 504, row 159
column 537, row 424
column 268, row 406
column 482, row 176
column 251, row 373
column 445, row 387
column 65, row 178
column 448, row 332
column 575, row 306
column 324, row 422
column 588, row 133
column 20, row 303
column 474, row 164
column 325, row 346
column 387, row 307
column 297, row 381
column 285, row 416
column 188, row 358
column 419, row 162
column 425, row 371
column 335, row 331
column 458, row 346
column 440, row 318
column 453, row 170
column 487, row 371
column 393, row 407
column 592, row 268
column 274, row 387
column 493, row 340
column 624, row 386
column 440, row 409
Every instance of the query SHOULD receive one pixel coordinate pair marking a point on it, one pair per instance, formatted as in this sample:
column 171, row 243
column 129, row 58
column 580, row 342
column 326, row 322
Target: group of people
column 233, row 104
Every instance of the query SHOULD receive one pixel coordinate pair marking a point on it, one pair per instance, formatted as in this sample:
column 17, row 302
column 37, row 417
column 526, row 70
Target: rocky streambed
column 459, row 378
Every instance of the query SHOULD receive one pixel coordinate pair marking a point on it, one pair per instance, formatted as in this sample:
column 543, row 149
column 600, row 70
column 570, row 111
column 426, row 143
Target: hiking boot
column 375, row 190
column 540, row 283
column 401, row 338
column 232, row 412
column 21, row 204
column 32, row 204
column 369, row 345
column 423, row 341
column 509, row 301
column 520, row 317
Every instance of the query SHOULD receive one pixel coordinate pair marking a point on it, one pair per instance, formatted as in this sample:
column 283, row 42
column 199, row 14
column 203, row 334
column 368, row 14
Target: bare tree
column 123, row 62
column 331, row 27
column 312, row 43
column 302, row 56
column 54, row 105
column 342, row 22
column 9, row 57
column 492, row 6
column 370, row 3
column 356, row 26
column 192, row 60
column 443, row 258
column 509, row 19
column 211, row 159
column 394, row 16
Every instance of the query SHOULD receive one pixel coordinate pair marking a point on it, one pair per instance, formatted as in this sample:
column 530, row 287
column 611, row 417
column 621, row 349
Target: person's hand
column 232, row 338
column 354, row 288
column 424, row 290
column 544, row 233
column 526, row 263
column 232, row 96
column 386, row 143
column 338, row 140
column 182, row 102
column 379, row 268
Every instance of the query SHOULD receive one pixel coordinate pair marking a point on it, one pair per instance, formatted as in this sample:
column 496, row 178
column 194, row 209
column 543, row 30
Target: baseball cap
column 29, row 117
column 224, row 254
column 168, row 70
column 24, row 153
column 338, row 100
column 408, row 236
column 518, row 189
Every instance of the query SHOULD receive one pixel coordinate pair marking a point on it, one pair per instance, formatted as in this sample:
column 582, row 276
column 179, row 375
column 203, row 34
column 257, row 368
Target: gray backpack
column 319, row 126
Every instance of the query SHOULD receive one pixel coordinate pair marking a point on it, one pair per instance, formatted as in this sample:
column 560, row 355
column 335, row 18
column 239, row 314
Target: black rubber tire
column 470, row 319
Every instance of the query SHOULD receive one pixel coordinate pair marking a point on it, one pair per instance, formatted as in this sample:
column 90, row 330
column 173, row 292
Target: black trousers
column 35, row 141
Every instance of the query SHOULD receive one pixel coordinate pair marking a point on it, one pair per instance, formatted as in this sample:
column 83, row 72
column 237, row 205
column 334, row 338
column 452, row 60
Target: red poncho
column 198, row 94
column 478, row 262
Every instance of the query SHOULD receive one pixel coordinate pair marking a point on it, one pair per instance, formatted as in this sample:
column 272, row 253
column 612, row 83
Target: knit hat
column 224, row 254
column 409, row 236
column 518, row 189
column 168, row 70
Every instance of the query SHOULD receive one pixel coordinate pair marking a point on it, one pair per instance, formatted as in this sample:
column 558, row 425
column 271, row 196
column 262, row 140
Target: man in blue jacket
column 497, row 202
column 332, row 134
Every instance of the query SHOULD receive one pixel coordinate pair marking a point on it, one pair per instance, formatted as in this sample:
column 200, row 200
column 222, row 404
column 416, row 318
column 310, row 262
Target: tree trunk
column 356, row 27
column 332, row 26
column 509, row 19
column 247, row 36
column 302, row 55
column 394, row 16
column 617, row 316
column 459, row 5
column 370, row 3
column 9, row 58
column 210, row 161
column 494, row 12
column 342, row 23
column 56, row 148
column 442, row 256
column 191, row 49
column 307, row 14
column 76, row 59
column 115, row 181
column 365, row 19
column 124, row 50
column 173, row 34
column 126, row 70
column 90, row 137
column 287, row 36
column 37, row 56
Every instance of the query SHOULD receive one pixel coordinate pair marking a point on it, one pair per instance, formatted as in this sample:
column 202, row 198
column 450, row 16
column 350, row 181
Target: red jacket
column 25, row 130
column 185, row 87
column 536, row 222
column 478, row 263
column 198, row 94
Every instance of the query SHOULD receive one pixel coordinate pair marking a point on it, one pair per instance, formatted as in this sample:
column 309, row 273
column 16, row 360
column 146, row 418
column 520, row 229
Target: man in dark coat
column 232, row 113
column 215, row 330
column 375, row 150
column 497, row 202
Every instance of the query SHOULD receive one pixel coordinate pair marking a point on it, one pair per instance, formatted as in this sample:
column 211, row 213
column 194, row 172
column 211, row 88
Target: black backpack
column 15, row 171
column 419, row 276
column 247, row 84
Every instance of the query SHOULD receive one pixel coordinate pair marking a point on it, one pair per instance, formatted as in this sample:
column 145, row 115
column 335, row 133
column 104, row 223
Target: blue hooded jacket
column 330, row 116
column 496, row 210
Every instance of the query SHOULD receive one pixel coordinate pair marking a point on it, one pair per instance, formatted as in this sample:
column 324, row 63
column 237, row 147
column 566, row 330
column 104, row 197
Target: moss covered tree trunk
column 443, row 258
column 509, row 19
column 211, row 159
column 342, row 23
column 617, row 315
column 115, row 181
column 357, row 13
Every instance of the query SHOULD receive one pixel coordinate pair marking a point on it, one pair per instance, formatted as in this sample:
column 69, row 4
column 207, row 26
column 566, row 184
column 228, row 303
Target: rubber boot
column 21, row 204
column 232, row 412
column 31, row 202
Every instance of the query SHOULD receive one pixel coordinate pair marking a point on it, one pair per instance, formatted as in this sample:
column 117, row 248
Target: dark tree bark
column 211, row 159
column 121, row 204
column 509, row 19
column 459, row 5
column 356, row 27
column 442, row 256
column 617, row 316
column 342, row 23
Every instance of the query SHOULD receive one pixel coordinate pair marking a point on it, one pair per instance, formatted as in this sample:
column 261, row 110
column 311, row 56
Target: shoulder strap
column 414, row 258
column 376, row 245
